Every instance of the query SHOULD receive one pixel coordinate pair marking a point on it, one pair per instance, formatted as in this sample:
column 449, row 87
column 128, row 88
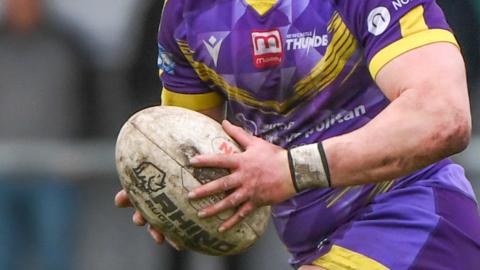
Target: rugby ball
column 152, row 157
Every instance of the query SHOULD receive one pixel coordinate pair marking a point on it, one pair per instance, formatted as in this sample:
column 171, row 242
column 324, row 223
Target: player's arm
column 415, row 61
column 182, row 85
column 427, row 120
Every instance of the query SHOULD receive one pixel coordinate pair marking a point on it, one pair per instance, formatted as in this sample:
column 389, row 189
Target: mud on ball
column 152, row 156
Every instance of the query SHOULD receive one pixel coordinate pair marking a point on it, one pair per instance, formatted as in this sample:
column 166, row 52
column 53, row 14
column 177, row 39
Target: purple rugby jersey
column 295, row 72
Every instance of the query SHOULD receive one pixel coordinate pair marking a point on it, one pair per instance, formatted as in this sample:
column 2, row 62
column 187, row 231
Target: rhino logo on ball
column 149, row 178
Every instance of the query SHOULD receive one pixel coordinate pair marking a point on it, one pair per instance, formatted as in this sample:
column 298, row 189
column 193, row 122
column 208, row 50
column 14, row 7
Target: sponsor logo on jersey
column 213, row 46
column 398, row 4
column 332, row 120
column 378, row 20
column 165, row 61
column 267, row 48
column 306, row 40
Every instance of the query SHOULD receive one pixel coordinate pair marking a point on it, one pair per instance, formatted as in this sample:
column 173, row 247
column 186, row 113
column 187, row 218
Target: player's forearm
column 415, row 130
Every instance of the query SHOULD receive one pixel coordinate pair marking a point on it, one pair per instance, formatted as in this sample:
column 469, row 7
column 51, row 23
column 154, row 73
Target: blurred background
column 71, row 72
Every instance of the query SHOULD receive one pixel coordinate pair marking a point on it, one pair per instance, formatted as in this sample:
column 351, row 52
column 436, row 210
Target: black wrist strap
column 309, row 167
column 324, row 162
column 292, row 171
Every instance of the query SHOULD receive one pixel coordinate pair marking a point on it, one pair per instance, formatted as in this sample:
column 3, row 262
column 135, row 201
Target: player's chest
column 233, row 39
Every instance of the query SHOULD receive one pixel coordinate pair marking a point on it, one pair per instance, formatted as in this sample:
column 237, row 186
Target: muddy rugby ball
column 152, row 153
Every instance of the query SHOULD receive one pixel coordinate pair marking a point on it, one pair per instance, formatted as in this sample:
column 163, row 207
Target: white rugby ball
column 152, row 153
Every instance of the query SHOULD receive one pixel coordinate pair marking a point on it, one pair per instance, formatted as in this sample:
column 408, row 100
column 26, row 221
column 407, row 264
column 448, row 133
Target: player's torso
column 294, row 75
column 292, row 71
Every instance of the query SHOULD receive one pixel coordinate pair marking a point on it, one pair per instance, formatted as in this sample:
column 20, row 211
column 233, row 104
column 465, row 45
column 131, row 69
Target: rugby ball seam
column 180, row 165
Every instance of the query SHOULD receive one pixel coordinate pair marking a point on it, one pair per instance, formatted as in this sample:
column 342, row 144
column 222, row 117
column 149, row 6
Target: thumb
column 238, row 134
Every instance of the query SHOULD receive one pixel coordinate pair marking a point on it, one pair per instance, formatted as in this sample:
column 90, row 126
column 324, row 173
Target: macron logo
column 213, row 46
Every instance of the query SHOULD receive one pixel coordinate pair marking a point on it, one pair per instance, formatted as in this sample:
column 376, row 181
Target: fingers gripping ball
column 152, row 155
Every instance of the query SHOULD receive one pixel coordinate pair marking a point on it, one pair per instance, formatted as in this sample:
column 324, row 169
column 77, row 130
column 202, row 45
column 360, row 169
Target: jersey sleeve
column 389, row 28
column 181, row 84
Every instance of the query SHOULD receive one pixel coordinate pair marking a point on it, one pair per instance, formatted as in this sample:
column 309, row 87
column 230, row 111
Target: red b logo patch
column 267, row 48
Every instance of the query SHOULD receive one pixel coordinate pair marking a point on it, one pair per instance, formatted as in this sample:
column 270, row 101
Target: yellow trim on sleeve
column 413, row 22
column 196, row 102
column 339, row 258
column 406, row 44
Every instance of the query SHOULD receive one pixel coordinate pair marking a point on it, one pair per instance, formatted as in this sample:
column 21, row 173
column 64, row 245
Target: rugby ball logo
column 149, row 178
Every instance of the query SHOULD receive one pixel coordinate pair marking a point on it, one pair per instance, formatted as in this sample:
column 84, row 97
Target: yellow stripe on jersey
column 415, row 34
column 338, row 197
column 340, row 49
column 355, row 66
column 205, row 73
column 261, row 6
column 388, row 186
column 380, row 188
column 406, row 44
column 196, row 102
column 340, row 258
column 413, row 22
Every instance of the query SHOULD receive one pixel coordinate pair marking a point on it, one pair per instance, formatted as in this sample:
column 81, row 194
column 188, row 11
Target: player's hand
column 122, row 201
column 259, row 176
